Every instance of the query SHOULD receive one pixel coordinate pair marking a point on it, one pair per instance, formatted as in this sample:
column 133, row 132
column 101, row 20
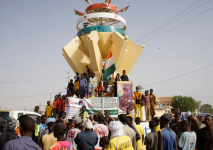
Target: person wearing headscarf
column 117, row 139
column 10, row 132
column 87, row 139
column 193, row 123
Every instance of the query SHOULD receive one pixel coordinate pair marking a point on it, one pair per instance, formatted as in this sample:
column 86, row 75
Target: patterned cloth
column 101, row 130
column 61, row 145
column 71, row 136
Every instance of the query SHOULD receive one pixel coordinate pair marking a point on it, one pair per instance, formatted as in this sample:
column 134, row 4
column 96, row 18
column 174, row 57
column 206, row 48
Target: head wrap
column 50, row 120
column 116, row 128
column 11, row 123
column 87, row 124
column 188, row 113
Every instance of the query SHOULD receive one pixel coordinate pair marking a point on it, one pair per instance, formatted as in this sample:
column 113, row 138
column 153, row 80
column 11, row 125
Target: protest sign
column 73, row 106
column 125, row 97
column 93, row 106
column 110, row 104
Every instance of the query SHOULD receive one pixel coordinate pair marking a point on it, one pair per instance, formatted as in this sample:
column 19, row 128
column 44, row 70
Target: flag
column 88, row 1
column 78, row 13
column 108, row 1
column 124, row 9
column 109, row 66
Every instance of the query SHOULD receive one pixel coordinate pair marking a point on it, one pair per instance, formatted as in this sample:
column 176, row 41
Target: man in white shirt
column 187, row 141
column 93, row 81
column 101, row 130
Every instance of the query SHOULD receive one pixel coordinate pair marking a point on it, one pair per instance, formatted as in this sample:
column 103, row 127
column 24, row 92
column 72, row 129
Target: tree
column 206, row 108
column 197, row 105
column 184, row 103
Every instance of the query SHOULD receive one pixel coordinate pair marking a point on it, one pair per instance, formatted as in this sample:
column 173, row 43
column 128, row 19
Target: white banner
column 93, row 106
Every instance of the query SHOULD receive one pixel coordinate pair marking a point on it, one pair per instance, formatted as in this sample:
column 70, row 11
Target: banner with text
column 93, row 106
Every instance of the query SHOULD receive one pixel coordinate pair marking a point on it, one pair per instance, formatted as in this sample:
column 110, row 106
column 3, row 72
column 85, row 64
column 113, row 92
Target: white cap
column 87, row 124
column 188, row 113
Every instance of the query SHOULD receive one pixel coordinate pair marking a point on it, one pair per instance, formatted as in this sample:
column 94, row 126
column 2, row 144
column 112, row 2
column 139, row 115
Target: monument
column 100, row 30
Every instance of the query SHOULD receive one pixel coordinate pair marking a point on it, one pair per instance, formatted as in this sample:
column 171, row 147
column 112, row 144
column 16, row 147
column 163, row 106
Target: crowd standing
column 101, row 131
column 54, row 131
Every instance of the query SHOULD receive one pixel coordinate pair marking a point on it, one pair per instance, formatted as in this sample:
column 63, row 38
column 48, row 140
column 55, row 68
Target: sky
column 32, row 34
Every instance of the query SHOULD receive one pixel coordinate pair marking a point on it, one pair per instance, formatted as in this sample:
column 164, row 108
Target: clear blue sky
column 32, row 34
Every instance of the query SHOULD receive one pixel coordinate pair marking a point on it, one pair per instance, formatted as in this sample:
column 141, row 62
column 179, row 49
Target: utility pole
column 68, row 77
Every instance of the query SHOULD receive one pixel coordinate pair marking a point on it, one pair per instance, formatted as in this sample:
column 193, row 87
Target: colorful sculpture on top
column 101, row 29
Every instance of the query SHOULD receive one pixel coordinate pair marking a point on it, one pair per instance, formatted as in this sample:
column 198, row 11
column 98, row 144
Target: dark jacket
column 7, row 136
column 86, row 140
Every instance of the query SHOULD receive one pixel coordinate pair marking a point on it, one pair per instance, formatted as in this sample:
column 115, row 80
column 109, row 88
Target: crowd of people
column 102, row 132
column 87, row 85
column 54, row 131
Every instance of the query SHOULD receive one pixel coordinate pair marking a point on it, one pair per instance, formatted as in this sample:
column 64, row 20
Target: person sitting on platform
column 100, row 90
column 107, row 117
column 138, row 106
column 124, row 77
column 107, row 90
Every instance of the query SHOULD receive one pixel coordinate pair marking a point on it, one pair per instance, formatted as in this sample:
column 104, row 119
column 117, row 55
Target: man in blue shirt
column 87, row 139
column 166, row 137
column 25, row 142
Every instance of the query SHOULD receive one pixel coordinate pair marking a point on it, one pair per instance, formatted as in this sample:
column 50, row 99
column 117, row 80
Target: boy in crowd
column 104, row 142
column 62, row 143
column 141, row 132
column 187, row 140
column 64, row 118
column 151, row 139
column 166, row 137
column 49, row 139
column 39, row 127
